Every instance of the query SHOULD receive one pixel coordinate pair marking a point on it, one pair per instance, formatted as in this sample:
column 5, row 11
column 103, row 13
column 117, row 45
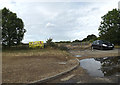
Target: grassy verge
column 117, row 46
column 46, row 52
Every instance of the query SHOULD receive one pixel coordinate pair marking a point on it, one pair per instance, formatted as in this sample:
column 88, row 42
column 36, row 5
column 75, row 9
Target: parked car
column 102, row 44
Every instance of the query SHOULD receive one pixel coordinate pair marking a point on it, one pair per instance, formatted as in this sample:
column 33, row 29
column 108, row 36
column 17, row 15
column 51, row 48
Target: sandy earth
column 33, row 68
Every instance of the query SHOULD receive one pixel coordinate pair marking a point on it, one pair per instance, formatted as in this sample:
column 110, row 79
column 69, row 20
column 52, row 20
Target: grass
column 31, row 64
column 117, row 46
column 49, row 52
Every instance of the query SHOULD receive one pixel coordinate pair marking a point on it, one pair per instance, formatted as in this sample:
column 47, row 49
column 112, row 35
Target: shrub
column 49, row 43
column 62, row 47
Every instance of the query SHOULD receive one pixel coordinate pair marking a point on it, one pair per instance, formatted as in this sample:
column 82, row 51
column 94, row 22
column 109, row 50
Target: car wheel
column 101, row 48
column 112, row 48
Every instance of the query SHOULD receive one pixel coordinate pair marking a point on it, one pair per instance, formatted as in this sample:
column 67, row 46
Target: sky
column 60, row 20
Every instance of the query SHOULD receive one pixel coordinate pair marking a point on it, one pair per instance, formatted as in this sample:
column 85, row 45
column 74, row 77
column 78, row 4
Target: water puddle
column 78, row 55
column 100, row 67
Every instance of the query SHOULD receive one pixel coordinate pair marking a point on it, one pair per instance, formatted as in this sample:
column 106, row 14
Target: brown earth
column 26, row 69
column 95, row 53
column 80, row 75
column 42, row 64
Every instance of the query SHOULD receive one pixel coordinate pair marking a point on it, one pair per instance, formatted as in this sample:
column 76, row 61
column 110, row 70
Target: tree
column 90, row 37
column 109, row 28
column 50, row 43
column 12, row 28
column 77, row 40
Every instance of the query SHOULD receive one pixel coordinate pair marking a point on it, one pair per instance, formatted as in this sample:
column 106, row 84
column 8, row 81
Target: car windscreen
column 105, row 42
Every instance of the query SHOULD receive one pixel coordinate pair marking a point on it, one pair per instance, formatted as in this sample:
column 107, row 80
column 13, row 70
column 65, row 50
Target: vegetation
column 50, row 43
column 109, row 28
column 12, row 28
column 34, row 52
column 77, row 40
column 64, row 42
column 31, row 65
column 90, row 38
column 63, row 47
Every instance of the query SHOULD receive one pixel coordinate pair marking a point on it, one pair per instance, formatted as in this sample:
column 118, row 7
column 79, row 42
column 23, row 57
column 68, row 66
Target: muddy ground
column 88, row 53
column 80, row 75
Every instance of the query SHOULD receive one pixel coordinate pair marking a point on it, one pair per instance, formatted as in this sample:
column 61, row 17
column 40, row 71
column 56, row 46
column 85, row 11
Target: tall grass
column 35, row 52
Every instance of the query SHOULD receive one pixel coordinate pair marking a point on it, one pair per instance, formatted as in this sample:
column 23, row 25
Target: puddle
column 78, row 55
column 100, row 67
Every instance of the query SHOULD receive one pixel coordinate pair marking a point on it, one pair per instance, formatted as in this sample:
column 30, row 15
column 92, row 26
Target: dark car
column 102, row 44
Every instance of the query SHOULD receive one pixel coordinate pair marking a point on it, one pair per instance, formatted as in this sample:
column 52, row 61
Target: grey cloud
column 61, row 21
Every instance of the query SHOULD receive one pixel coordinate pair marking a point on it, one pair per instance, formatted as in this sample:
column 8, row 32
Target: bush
column 49, row 43
column 62, row 47
column 17, row 47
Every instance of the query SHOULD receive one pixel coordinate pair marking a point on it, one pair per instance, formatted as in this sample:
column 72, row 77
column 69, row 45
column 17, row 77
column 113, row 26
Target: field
column 23, row 66
column 28, row 65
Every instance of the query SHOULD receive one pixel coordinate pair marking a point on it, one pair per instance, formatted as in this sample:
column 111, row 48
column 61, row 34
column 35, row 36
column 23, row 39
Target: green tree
column 77, row 40
column 90, row 37
column 12, row 28
column 109, row 28
column 50, row 43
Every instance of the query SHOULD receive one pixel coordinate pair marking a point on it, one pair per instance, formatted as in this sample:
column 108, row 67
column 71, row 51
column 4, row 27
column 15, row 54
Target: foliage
column 64, row 42
column 77, row 40
column 12, row 28
column 91, row 37
column 62, row 47
column 50, row 43
column 109, row 28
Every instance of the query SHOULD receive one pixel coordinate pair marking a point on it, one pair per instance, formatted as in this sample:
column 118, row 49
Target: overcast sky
column 60, row 20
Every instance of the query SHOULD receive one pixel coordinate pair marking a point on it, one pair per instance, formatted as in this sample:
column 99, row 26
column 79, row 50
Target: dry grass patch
column 23, row 66
column 41, row 53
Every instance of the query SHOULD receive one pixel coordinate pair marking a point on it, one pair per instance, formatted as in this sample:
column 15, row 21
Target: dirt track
column 95, row 53
column 80, row 75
